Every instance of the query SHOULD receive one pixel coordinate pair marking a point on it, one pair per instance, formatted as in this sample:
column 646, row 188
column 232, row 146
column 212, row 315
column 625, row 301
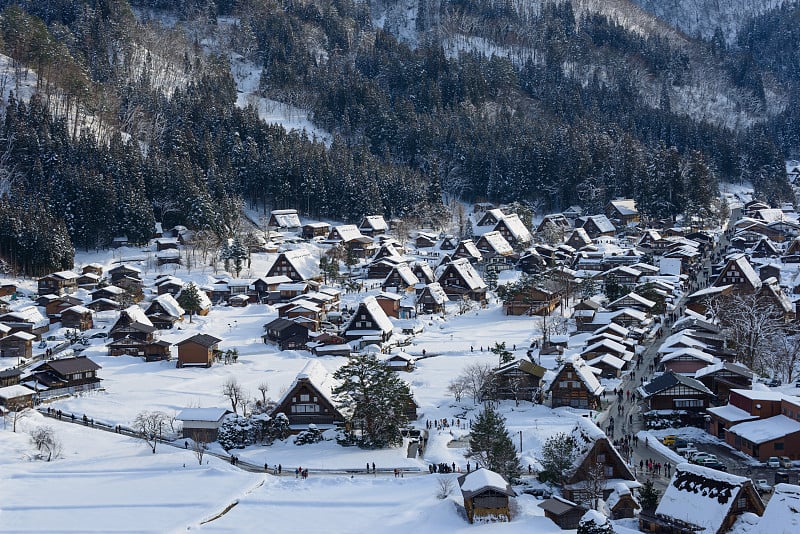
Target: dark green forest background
column 410, row 125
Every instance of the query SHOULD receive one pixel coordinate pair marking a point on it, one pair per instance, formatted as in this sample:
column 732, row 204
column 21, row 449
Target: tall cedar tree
column 377, row 399
column 558, row 456
column 189, row 299
column 490, row 442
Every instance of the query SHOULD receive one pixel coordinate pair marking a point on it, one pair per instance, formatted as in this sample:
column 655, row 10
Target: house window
column 778, row 445
column 601, row 458
column 741, row 503
column 608, row 470
column 305, row 397
column 305, row 408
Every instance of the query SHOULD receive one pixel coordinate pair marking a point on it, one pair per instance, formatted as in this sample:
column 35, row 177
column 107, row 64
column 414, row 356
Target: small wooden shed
column 486, row 495
column 566, row 514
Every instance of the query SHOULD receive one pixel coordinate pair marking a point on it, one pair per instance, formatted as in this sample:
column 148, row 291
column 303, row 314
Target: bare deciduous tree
column 149, row 426
column 594, row 481
column 263, row 387
column 233, row 390
column 17, row 410
column 784, row 355
column 198, row 446
column 45, row 439
column 750, row 322
column 457, row 387
column 445, row 487
column 478, row 378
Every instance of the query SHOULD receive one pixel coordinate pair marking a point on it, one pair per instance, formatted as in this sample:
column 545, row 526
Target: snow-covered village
column 391, row 266
column 580, row 368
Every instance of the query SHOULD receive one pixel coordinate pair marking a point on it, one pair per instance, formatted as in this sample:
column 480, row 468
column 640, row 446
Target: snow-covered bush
column 236, row 432
column 312, row 435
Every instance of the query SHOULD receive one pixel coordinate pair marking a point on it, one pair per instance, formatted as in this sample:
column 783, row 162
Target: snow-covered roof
column 700, row 496
column 137, row 315
column 768, row 429
column 759, row 394
column 782, row 514
column 82, row 310
column 606, row 345
column 728, row 366
column 620, row 490
column 484, row 478
column 170, row 305
column 375, row 222
column 304, row 262
column 607, row 359
column 14, row 391
column 406, row 274
column 348, row 232
column 586, row 375
column 286, row 218
column 201, row 414
column 66, row 275
column 731, row 413
column 28, row 314
column 377, row 314
column 468, row 274
column 516, row 227
column 647, row 303
column 625, row 206
column 437, row 293
column 319, row 377
column 688, row 353
column 497, row 242
column 602, row 222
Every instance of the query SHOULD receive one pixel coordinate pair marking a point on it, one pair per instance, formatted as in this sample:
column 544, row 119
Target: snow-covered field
column 107, row 482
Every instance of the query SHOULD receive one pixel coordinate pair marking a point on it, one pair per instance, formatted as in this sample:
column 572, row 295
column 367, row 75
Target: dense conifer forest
column 135, row 119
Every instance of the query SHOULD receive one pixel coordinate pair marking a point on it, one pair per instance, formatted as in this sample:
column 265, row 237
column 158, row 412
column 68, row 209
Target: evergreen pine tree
column 491, row 444
column 189, row 299
column 648, row 496
column 377, row 398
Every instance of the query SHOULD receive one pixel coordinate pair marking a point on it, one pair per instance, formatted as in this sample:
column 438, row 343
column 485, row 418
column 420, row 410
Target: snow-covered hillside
column 703, row 17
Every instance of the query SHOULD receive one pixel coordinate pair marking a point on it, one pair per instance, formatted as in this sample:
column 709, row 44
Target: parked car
column 684, row 447
column 711, row 458
column 699, row 457
column 763, row 486
column 669, row 441
column 679, row 444
column 719, row 466
column 688, row 452
column 773, row 461
column 786, row 462
column 774, row 383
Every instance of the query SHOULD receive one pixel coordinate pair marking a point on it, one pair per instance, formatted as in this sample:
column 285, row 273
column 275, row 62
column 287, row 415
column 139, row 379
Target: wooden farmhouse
column 390, row 304
column 315, row 229
column 531, row 301
column 459, row 279
column 309, row 399
column 288, row 218
column 701, row 499
column 596, row 225
column 723, row 377
column 28, row 319
column 17, row 345
column 54, row 307
column 200, row 349
column 492, row 244
column 299, row 265
column 286, row 333
column 594, row 449
column 491, row 217
column 575, row 385
column 740, row 274
column 578, row 239
column 17, row 397
column 66, row 376
column 621, row 504
column 201, row 424
column 686, row 361
column 672, row 391
column 124, row 272
column 623, row 211
column 77, row 317
column 514, row 231
column 564, row 513
column 164, row 311
column 10, row 377
column 423, row 272
column 368, row 321
column 58, row 283
column 467, row 249
column 518, row 380
column 486, row 495
column 402, row 361
column 432, row 299
column 556, row 221
column 400, row 279
column 372, row 225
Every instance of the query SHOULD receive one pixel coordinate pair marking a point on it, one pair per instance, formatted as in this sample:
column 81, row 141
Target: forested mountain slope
column 546, row 103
